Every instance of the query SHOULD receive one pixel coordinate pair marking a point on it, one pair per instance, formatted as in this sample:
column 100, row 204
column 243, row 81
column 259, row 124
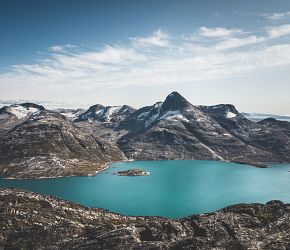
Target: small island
column 133, row 172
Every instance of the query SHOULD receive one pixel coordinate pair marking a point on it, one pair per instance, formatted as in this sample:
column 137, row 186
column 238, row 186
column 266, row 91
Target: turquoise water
column 174, row 188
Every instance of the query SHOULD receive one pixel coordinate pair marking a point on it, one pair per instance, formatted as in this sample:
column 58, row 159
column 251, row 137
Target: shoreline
column 68, row 225
column 108, row 164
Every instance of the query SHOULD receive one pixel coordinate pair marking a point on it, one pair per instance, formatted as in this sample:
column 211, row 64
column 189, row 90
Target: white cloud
column 159, row 38
column 275, row 32
column 56, row 48
column 277, row 16
column 61, row 48
column 133, row 64
column 218, row 32
column 234, row 42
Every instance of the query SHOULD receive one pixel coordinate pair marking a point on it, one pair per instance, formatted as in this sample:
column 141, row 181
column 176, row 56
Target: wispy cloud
column 276, row 16
column 61, row 48
column 218, row 32
column 159, row 38
column 275, row 32
column 48, row 104
column 158, row 59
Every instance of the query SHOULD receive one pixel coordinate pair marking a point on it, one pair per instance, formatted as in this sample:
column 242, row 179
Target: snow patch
column 154, row 117
column 110, row 111
column 217, row 106
column 230, row 115
column 143, row 115
column 173, row 115
column 151, row 120
column 22, row 112
column 99, row 112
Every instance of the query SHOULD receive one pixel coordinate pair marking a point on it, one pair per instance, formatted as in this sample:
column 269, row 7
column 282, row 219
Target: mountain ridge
column 172, row 129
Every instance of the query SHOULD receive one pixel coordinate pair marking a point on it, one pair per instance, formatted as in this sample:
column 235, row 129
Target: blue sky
column 78, row 53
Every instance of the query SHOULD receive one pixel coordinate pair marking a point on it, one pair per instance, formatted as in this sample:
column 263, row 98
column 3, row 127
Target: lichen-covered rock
column 32, row 221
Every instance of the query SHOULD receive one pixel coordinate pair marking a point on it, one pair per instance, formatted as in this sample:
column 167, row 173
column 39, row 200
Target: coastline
column 68, row 225
column 102, row 168
column 108, row 164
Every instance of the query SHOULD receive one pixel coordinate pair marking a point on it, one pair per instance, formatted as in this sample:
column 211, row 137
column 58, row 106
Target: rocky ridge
column 172, row 129
column 33, row 221
column 47, row 144
column 10, row 116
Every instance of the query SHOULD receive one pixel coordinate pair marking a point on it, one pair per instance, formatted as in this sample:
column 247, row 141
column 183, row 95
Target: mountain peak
column 21, row 111
column 174, row 101
column 31, row 105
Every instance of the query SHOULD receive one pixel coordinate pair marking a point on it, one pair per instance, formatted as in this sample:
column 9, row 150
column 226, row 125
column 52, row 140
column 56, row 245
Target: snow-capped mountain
column 172, row 129
column 176, row 129
column 13, row 115
column 256, row 117
column 71, row 114
column 20, row 111
column 174, row 108
column 109, row 114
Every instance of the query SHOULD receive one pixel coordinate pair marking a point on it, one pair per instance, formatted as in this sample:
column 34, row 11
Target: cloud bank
column 156, row 59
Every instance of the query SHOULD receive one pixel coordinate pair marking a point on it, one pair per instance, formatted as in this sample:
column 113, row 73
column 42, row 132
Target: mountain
column 12, row 115
column 256, row 117
column 47, row 144
column 30, row 220
column 176, row 129
column 109, row 114
column 71, row 114
column 43, row 143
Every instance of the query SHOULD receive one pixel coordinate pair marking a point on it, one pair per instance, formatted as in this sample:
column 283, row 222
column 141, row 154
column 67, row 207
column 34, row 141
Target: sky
column 76, row 53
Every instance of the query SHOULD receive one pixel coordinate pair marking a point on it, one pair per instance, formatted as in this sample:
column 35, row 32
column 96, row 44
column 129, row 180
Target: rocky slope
column 33, row 221
column 10, row 116
column 176, row 129
column 31, row 138
column 47, row 144
column 110, row 114
column 71, row 114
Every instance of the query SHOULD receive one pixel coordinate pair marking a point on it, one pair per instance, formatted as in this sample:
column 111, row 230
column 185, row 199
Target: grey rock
column 47, row 144
column 33, row 221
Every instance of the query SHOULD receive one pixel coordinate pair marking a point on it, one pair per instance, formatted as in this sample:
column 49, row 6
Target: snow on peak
column 99, row 112
column 143, row 115
column 156, row 109
column 21, row 112
column 230, row 115
column 173, row 115
column 111, row 111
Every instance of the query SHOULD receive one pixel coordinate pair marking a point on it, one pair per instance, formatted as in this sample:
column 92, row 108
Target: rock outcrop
column 33, row 221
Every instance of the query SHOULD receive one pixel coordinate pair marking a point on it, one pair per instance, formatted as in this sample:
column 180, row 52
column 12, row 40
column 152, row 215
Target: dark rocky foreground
column 33, row 221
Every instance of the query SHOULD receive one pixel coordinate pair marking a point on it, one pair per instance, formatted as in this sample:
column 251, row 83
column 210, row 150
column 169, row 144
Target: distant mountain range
column 256, row 117
column 35, row 142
